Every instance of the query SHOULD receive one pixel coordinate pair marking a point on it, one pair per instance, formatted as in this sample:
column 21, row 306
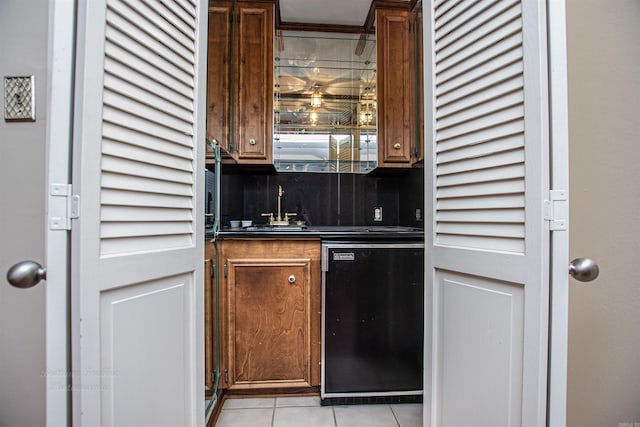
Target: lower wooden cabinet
column 272, row 313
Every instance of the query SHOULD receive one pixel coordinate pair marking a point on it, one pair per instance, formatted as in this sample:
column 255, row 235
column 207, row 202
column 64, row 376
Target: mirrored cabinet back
column 305, row 100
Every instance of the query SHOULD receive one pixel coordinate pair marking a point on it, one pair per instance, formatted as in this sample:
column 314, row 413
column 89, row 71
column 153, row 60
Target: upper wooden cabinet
column 398, row 110
column 240, row 80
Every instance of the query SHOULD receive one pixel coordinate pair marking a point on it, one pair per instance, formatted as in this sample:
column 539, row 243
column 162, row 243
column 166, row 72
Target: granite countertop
column 322, row 232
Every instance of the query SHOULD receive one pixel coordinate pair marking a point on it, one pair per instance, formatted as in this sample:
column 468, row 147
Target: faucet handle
column 288, row 214
column 270, row 215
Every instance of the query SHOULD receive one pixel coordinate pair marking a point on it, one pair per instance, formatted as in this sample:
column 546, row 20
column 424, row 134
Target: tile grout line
column 335, row 420
column 273, row 411
column 395, row 416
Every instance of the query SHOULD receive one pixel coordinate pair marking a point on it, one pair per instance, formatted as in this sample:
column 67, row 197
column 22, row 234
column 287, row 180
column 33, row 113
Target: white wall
column 23, row 29
column 604, row 123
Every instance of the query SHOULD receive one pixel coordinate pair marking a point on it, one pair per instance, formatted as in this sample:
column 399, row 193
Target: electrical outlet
column 19, row 99
column 377, row 214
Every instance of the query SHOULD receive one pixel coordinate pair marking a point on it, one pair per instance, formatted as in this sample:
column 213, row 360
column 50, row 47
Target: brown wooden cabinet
column 398, row 110
column 272, row 313
column 240, row 80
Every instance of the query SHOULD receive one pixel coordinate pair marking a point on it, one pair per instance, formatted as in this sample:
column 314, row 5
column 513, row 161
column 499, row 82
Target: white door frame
column 61, row 36
column 559, row 151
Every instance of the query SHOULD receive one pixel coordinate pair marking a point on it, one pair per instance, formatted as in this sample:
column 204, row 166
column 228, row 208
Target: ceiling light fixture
column 316, row 97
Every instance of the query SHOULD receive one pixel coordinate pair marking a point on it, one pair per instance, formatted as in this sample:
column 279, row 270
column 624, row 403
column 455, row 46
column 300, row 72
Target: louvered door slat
column 510, row 231
column 161, row 85
column 150, row 23
column 484, row 148
column 483, row 175
column 111, row 230
column 479, row 53
column 483, row 78
column 512, row 186
column 144, row 40
column 143, row 96
column 483, row 120
column 484, row 162
column 131, row 198
column 146, row 112
column 162, row 21
column 135, row 168
column 143, row 213
column 493, row 105
column 173, row 19
column 144, row 185
column 442, row 6
column 151, row 143
column 486, row 22
column 120, row 118
column 458, row 11
column 185, row 10
column 478, row 97
column 501, row 131
column 144, row 154
column 479, row 123
column 488, row 202
column 482, row 215
column 147, row 67
column 489, row 243
column 139, row 52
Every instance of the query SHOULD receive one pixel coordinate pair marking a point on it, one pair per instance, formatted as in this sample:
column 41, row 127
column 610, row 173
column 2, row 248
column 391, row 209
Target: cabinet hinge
column 63, row 206
column 226, row 375
column 556, row 210
column 224, row 270
column 212, row 271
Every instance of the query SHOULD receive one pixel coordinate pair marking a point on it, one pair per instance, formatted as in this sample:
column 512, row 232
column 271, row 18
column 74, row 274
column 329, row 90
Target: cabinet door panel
column 395, row 88
column 271, row 340
column 219, row 76
column 254, row 82
column 270, row 322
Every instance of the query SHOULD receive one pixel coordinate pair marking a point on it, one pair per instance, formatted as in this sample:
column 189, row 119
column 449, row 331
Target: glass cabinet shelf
column 325, row 102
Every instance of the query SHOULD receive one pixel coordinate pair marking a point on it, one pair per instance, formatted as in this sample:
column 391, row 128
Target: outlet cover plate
column 19, row 99
column 377, row 214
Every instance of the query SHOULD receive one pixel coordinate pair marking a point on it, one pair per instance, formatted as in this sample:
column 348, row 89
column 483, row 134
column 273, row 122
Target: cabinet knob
column 397, row 146
column 292, row 279
column 252, row 141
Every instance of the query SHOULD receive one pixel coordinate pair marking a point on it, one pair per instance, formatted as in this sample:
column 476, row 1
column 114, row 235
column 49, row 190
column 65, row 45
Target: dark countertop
column 347, row 232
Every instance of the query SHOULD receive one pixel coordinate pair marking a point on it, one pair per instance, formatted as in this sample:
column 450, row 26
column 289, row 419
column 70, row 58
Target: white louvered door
column 487, row 173
column 137, row 246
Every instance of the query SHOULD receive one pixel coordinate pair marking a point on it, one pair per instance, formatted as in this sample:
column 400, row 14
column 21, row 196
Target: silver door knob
column 26, row 274
column 584, row 269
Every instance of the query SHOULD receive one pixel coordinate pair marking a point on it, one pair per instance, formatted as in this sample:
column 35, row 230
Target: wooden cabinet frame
column 263, row 260
column 240, row 80
column 396, row 88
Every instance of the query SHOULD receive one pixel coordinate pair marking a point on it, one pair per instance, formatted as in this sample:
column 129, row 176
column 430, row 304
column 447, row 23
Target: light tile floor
column 307, row 412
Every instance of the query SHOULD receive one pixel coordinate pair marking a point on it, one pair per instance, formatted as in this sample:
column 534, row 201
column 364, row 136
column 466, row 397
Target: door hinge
column 63, row 206
column 556, row 210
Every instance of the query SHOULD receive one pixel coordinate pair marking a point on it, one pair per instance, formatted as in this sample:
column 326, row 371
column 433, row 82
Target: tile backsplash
column 324, row 199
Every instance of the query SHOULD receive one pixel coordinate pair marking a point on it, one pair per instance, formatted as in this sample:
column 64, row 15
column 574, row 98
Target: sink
column 275, row 228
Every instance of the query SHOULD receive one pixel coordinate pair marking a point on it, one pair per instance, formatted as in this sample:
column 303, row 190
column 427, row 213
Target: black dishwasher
column 372, row 322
